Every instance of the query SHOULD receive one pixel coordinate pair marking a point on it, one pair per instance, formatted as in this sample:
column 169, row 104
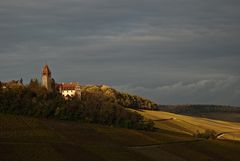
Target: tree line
column 198, row 109
column 94, row 107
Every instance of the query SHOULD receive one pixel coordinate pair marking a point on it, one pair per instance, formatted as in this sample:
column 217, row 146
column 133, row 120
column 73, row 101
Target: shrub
column 207, row 134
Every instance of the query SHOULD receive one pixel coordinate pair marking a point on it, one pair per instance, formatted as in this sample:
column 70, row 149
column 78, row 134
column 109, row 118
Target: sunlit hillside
column 124, row 99
column 191, row 125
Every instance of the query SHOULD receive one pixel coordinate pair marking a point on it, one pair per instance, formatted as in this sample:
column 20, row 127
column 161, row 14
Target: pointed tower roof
column 46, row 70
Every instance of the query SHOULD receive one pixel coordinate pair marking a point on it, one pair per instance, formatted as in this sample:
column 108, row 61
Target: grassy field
column 190, row 125
column 32, row 139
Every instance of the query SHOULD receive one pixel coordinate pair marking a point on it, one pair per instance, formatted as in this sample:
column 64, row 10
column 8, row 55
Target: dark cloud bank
column 172, row 51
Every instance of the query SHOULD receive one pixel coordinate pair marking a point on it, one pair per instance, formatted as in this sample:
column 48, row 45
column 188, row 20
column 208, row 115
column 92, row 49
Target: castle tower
column 47, row 78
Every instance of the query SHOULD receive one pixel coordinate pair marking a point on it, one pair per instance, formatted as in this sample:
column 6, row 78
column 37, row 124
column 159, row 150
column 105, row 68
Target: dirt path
column 164, row 143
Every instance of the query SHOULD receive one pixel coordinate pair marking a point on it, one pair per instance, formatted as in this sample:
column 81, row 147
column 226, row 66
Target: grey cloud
column 145, row 43
column 224, row 91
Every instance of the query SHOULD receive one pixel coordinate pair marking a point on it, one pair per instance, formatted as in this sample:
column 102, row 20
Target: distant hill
column 198, row 109
column 123, row 99
column 220, row 112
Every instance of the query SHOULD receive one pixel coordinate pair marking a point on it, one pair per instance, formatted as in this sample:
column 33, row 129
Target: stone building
column 70, row 89
column 47, row 80
column 66, row 89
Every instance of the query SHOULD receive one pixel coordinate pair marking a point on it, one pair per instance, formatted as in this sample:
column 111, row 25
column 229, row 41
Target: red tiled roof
column 68, row 86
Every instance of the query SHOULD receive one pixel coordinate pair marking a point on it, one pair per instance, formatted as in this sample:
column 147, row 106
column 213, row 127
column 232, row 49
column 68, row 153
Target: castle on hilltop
column 66, row 89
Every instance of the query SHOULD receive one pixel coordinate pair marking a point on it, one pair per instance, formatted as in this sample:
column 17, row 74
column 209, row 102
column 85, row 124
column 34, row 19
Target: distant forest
column 198, row 109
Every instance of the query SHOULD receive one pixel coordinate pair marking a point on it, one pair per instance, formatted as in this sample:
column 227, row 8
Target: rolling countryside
column 25, row 138
column 119, row 80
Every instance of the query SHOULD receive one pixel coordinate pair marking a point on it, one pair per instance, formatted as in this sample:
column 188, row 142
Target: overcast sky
column 171, row 51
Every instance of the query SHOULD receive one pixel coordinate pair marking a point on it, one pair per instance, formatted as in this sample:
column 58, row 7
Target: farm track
column 165, row 143
column 79, row 145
